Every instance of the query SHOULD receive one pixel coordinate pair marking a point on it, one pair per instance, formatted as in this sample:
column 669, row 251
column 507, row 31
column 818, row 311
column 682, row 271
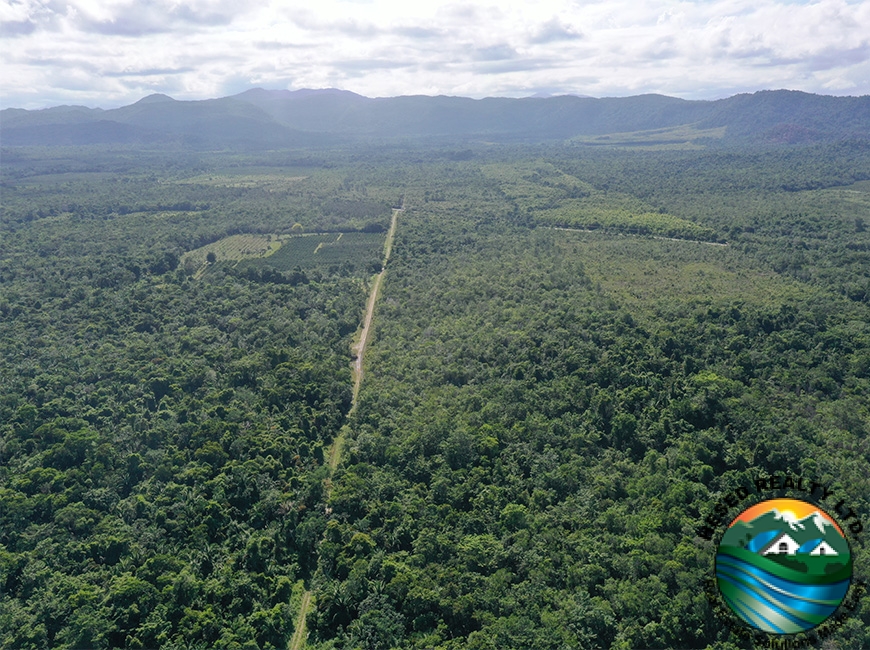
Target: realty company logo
column 783, row 566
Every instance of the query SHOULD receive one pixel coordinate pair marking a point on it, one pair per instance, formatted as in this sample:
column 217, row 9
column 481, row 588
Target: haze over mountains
column 274, row 118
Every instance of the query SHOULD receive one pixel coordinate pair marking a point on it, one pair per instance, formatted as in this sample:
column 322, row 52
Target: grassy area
column 246, row 179
column 232, row 248
column 681, row 137
column 580, row 214
column 646, row 274
column 553, row 197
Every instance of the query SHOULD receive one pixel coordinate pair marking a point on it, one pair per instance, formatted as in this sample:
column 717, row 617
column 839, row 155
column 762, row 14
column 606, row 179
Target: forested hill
column 267, row 118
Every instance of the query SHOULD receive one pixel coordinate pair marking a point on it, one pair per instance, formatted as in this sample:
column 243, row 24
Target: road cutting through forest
column 358, row 349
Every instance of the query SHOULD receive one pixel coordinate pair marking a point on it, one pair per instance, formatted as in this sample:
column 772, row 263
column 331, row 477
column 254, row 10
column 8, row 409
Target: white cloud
column 110, row 52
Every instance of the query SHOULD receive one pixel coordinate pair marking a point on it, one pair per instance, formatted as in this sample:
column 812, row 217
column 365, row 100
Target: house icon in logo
column 784, row 544
column 823, row 549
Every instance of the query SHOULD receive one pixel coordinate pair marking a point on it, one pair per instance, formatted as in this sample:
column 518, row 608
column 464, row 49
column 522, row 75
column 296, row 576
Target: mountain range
column 261, row 118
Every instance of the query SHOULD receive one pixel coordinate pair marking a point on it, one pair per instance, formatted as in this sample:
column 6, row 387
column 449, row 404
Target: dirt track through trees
column 359, row 347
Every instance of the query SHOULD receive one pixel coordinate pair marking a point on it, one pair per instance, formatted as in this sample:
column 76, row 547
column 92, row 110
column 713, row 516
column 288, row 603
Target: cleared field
column 653, row 275
column 242, row 180
column 680, row 137
column 641, row 223
column 232, row 248
column 69, row 177
column 553, row 197
column 359, row 249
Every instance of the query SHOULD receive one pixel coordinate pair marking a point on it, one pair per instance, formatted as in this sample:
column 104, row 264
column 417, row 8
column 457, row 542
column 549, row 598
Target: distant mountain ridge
column 277, row 118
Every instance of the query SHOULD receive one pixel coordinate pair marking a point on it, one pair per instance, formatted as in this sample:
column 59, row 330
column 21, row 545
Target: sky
column 108, row 53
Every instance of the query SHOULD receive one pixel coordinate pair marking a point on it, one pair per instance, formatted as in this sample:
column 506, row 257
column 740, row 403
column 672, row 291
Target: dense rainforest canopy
column 577, row 351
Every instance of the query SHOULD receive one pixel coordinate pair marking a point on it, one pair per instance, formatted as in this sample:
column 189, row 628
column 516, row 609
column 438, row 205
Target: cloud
column 277, row 45
column 838, row 58
column 419, row 33
column 361, row 65
column 344, row 27
column 554, row 30
column 494, row 53
column 152, row 72
column 116, row 17
column 144, row 18
column 521, row 65
column 107, row 52
column 17, row 28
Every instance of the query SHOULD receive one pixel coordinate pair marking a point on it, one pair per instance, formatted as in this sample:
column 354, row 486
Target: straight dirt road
column 297, row 642
column 359, row 347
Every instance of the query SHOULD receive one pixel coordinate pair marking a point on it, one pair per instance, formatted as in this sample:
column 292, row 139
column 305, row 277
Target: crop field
column 353, row 247
column 299, row 251
column 232, row 248
column 359, row 249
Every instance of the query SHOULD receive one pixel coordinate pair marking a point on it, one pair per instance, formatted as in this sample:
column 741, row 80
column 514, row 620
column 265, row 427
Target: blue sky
column 108, row 53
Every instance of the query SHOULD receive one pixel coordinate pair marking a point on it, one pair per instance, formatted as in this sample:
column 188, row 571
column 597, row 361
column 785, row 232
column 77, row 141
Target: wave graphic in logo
column 783, row 566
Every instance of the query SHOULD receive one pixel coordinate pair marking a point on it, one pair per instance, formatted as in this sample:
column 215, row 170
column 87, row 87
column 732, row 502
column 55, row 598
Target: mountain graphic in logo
column 783, row 566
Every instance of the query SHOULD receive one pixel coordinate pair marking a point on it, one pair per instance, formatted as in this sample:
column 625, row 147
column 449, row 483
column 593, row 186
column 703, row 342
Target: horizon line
column 537, row 96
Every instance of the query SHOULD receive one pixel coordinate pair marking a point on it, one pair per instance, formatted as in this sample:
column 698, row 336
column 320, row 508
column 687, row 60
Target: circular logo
column 783, row 566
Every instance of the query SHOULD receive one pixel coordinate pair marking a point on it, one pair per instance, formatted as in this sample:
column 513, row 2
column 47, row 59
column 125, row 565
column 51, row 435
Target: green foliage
column 344, row 253
column 161, row 437
column 551, row 196
column 545, row 419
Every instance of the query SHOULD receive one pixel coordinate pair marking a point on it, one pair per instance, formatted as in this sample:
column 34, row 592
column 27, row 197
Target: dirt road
column 358, row 349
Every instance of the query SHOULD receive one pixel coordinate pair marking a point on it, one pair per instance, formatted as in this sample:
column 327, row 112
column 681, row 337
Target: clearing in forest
column 357, row 251
column 649, row 273
column 272, row 180
column 553, row 197
column 351, row 251
column 232, row 248
column 686, row 136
